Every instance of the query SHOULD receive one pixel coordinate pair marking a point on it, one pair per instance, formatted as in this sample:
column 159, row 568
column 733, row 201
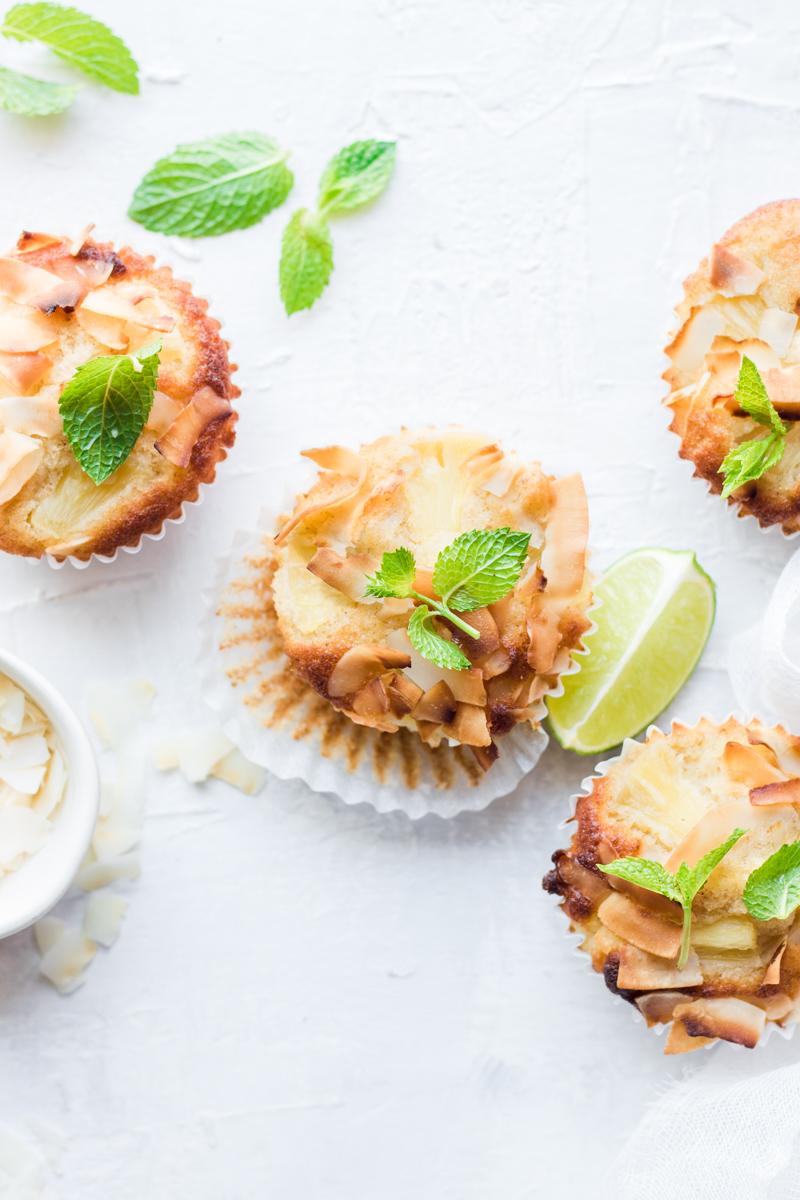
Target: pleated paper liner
column 282, row 724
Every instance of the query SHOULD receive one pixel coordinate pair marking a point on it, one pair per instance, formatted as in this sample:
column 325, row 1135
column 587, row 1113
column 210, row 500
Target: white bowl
column 30, row 891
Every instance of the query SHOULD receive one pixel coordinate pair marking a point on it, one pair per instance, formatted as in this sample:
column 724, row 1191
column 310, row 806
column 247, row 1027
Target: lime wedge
column 655, row 612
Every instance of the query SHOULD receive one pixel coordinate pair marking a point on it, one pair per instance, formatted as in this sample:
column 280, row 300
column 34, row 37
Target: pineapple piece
column 729, row 933
column 656, row 799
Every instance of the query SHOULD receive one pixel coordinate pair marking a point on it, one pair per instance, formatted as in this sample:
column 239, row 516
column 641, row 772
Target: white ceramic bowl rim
column 40, row 882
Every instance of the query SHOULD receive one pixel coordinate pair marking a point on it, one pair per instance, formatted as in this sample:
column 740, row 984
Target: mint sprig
column 772, row 890
column 352, row 178
column 478, row 568
column 749, row 460
column 682, row 887
column 206, row 188
column 105, row 406
column 29, row 97
column 77, row 39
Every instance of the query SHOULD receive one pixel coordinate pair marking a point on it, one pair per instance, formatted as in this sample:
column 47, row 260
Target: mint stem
column 686, row 934
column 445, row 612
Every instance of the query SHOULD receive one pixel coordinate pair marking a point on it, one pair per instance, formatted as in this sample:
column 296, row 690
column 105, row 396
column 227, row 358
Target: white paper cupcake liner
column 280, row 723
column 582, row 960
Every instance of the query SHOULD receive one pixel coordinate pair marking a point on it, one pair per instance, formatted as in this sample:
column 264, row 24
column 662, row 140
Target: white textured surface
column 308, row 1001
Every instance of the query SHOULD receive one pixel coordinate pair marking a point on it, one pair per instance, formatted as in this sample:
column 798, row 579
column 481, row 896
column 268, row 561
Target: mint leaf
column 395, row 575
column 749, row 460
column 29, row 97
column 772, row 891
column 692, row 879
column 356, row 175
column 82, row 41
column 306, row 260
column 646, row 874
column 480, row 567
column 206, row 188
column 751, row 396
column 104, row 408
column 431, row 645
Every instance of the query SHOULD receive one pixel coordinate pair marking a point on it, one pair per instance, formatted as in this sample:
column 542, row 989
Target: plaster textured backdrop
column 307, row 1001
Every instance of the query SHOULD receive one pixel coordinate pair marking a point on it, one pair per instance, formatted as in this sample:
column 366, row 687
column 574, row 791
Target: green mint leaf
column 645, row 874
column 773, row 889
column 752, row 398
column 105, row 406
column 692, row 879
column 749, row 460
column 206, row 188
column 480, row 567
column 82, row 41
column 395, row 576
column 29, row 97
column 431, row 645
column 306, row 260
column 356, row 175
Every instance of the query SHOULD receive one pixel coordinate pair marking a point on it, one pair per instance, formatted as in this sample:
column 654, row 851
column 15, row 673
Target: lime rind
column 676, row 571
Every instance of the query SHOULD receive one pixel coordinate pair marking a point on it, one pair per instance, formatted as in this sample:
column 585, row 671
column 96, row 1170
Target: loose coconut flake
column 103, row 917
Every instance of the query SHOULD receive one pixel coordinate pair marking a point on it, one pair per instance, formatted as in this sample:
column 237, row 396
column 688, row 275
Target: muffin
column 742, row 301
column 63, row 304
column 672, row 799
column 420, row 491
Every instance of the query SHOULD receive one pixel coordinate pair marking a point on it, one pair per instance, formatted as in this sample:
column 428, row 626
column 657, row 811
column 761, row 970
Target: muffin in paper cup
column 742, row 301
column 62, row 304
column 290, row 619
column 672, row 798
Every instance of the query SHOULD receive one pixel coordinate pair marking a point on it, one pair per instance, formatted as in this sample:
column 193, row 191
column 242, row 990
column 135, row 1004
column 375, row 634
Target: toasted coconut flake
column 712, row 829
column 77, row 243
column 38, row 416
column 590, row 884
column 680, row 1042
column 180, row 439
column 26, row 284
column 783, row 387
column 643, row 972
column 361, row 664
column 776, row 1007
column 640, row 927
column 488, row 642
column 745, row 764
column 485, row 756
column 693, row 340
column 126, row 302
column 733, row 275
column 163, row 412
column 470, row 726
column 343, row 483
column 371, row 702
column 785, row 792
column 564, row 554
column 777, row 329
column 403, row 694
column 20, row 457
column 29, row 243
column 772, row 975
column 724, row 1017
column 467, row 686
column 108, row 331
column 347, row 575
column 437, row 704
column 25, row 331
column 24, row 371
column 657, row 1007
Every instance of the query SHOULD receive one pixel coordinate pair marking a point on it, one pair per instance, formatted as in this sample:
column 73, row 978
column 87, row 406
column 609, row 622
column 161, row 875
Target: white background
column 309, row 1001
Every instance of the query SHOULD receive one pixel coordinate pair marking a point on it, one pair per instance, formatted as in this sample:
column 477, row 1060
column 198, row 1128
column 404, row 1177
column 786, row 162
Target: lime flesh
column 655, row 612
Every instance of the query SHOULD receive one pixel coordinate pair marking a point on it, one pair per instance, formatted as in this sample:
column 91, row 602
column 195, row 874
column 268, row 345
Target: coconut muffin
column 62, row 304
column 742, row 301
column 420, row 490
column 672, row 799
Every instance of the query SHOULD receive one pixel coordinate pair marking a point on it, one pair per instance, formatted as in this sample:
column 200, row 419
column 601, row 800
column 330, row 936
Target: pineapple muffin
column 672, row 799
column 63, row 304
column 420, row 491
column 742, row 301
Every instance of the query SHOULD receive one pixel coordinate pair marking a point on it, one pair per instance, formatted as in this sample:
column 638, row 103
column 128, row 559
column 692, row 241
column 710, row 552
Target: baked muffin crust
column 672, row 798
column 421, row 490
column 113, row 302
column 742, row 299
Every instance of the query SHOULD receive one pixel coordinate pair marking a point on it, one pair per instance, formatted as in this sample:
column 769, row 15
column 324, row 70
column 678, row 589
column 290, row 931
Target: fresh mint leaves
column 478, row 568
column 356, row 175
column 306, row 260
column 749, row 460
column 682, row 887
column 352, row 178
column 772, row 890
column 78, row 39
column 29, row 97
column 104, row 408
column 206, row 188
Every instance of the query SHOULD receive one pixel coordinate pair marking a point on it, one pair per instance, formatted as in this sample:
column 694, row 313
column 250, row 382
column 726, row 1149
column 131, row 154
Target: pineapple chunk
column 729, row 933
column 656, row 799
